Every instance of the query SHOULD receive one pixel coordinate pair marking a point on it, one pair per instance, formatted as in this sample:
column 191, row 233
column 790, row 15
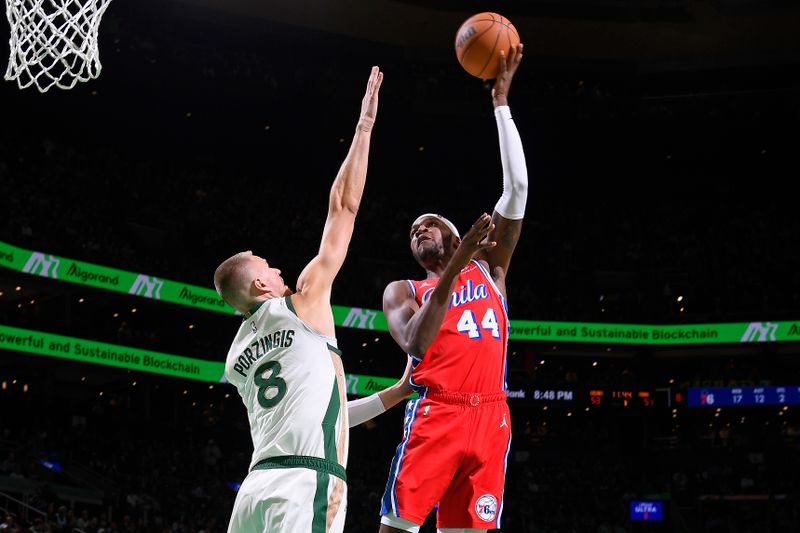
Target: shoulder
column 496, row 274
column 482, row 262
column 485, row 269
column 313, row 312
column 398, row 288
column 398, row 292
column 499, row 277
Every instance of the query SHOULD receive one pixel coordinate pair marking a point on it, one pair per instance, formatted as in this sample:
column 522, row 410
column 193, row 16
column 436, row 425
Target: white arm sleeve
column 515, row 174
column 363, row 409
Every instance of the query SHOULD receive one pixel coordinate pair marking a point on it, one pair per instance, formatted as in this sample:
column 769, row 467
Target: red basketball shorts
column 454, row 453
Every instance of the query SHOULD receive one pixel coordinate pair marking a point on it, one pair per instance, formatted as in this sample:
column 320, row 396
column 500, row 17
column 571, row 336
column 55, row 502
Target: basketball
column 479, row 41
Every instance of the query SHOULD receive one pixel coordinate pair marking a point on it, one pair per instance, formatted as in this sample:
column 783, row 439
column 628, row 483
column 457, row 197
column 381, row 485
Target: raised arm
column 413, row 327
column 314, row 283
column 510, row 209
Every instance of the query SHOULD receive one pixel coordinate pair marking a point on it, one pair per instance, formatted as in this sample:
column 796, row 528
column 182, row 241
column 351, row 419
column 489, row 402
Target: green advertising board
column 111, row 279
column 660, row 335
column 125, row 357
column 89, row 351
column 152, row 287
column 156, row 288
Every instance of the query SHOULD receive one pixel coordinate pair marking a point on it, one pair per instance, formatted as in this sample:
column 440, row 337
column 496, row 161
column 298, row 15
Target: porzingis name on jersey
column 463, row 295
column 278, row 339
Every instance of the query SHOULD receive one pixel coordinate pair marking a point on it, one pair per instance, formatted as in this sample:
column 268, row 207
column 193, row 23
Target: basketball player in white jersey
column 286, row 366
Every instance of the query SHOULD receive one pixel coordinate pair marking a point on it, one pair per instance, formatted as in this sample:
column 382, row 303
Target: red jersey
column 469, row 352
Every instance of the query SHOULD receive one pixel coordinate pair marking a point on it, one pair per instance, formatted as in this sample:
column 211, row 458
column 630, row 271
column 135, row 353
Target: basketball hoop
column 54, row 42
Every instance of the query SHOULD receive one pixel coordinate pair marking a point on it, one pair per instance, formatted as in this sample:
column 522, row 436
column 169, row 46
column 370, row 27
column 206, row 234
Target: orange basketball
column 479, row 41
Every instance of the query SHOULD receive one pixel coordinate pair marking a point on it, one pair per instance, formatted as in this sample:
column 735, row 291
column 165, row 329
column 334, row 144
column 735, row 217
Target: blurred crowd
column 627, row 258
column 636, row 197
column 152, row 459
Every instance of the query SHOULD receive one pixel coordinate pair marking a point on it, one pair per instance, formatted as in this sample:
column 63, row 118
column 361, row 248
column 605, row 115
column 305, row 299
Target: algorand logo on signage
column 760, row 332
column 42, row 265
column 360, row 318
column 352, row 384
column 147, row 287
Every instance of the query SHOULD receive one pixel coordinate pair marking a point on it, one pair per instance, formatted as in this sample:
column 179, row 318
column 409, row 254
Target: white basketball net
column 54, row 42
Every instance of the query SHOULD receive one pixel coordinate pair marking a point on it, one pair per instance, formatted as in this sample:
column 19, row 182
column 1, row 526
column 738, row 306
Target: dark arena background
column 654, row 368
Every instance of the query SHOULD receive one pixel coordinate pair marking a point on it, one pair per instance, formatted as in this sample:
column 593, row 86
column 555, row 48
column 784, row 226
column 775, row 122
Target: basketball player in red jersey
column 454, row 326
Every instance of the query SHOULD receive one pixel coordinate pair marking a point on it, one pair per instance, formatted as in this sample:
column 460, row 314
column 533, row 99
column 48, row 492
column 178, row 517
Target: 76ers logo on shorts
column 486, row 507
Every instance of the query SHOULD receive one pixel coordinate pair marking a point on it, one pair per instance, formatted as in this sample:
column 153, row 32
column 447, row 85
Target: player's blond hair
column 232, row 280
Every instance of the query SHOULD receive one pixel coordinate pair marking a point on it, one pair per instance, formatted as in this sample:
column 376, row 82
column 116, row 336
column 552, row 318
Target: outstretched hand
column 369, row 105
column 508, row 66
column 474, row 241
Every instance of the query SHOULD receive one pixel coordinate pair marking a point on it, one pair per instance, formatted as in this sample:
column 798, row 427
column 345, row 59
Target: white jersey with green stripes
column 291, row 380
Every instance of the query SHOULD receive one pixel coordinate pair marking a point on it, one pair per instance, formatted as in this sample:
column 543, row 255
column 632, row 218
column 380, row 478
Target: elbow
column 517, row 174
column 521, row 186
column 344, row 203
column 351, row 207
column 340, row 205
column 405, row 342
column 409, row 348
column 416, row 348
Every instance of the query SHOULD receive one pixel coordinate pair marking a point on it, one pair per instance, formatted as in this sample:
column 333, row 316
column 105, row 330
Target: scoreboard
column 743, row 396
column 595, row 396
column 624, row 397
column 660, row 397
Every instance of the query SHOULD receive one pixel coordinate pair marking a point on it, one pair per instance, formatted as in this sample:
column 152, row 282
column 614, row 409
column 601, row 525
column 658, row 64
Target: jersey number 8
column 272, row 382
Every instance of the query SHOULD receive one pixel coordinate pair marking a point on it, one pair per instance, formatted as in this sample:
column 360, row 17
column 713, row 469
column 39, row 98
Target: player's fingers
column 483, row 220
column 480, row 229
column 484, row 231
column 378, row 82
column 482, row 239
column 503, row 62
column 372, row 77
